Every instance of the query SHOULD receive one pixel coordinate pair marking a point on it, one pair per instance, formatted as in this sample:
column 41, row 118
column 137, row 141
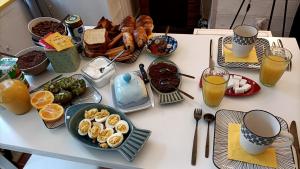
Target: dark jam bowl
column 39, row 20
column 34, row 69
column 161, row 45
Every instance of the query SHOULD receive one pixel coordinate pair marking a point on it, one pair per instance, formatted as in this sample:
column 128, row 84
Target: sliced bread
column 95, row 36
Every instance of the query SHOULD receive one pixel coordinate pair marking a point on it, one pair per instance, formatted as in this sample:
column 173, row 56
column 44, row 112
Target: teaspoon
column 208, row 118
column 112, row 61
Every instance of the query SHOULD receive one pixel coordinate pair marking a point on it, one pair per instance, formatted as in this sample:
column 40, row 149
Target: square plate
column 146, row 105
column 260, row 46
column 91, row 95
column 285, row 158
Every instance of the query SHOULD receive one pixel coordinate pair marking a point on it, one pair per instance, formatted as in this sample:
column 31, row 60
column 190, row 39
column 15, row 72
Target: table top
column 172, row 126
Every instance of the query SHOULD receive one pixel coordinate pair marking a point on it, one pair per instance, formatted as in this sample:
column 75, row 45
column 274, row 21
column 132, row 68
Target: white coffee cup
column 243, row 40
column 259, row 130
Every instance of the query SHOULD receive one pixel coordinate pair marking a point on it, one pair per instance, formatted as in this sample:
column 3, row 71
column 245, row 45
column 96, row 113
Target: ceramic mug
column 259, row 130
column 243, row 40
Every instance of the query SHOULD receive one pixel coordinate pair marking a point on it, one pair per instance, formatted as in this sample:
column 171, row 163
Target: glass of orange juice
column 14, row 96
column 273, row 65
column 214, row 84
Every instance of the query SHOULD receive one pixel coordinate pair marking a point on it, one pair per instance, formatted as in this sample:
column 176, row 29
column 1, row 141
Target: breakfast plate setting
column 260, row 46
column 284, row 155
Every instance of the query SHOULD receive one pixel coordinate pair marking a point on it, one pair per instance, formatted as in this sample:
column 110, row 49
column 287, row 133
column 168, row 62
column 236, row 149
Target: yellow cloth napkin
column 236, row 152
column 229, row 57
column 58, row 41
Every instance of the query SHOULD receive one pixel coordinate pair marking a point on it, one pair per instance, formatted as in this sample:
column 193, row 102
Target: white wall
column 92, row 10
column 14, row 35
column 226, row 10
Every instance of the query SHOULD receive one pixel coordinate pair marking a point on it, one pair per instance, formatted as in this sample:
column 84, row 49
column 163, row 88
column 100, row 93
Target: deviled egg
column 122, row 127
column 103, row 145
column 104, row 134
column 115, row 140
column 102, row 115
column 90, row 114
column 112, row 120
column 94, row 131
column 84, row 127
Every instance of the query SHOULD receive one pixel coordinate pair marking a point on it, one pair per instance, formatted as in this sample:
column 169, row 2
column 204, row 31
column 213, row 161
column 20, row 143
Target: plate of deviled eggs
column 104, row 128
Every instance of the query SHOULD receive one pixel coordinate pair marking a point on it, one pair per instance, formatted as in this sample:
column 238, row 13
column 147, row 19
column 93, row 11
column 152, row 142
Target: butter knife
column 147, row 83
column 293, row 130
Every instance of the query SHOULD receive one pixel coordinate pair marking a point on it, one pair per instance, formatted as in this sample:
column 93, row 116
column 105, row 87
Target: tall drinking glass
column 273, row 65
column 214, row 83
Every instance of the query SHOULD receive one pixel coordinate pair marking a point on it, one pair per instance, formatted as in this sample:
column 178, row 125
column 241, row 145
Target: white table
column 172, row 126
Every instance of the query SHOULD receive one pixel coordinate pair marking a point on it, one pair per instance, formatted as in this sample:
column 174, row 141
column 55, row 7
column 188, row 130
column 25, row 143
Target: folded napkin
column 229, row 57
column 236, row 152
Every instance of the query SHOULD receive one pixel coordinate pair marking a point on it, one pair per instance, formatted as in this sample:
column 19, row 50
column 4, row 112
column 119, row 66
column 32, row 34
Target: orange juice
column 213, row 90
column 14, row 96
column 272, row 69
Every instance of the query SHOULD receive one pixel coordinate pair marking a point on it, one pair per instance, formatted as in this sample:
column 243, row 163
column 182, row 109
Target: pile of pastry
column 108, row 40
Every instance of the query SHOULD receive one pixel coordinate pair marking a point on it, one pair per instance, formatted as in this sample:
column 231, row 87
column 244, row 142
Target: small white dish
column 149, row 103
column 92, row 71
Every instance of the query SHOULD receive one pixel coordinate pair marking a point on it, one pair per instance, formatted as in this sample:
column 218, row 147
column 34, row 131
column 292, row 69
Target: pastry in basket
column 129, row 90
column 128, row 24
column 140, row 36
column 146, row 22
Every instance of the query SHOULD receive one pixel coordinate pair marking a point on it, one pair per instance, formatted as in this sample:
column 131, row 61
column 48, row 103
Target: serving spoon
column 162, row 70
column 9, row 55
column 208, row 118
column 112, row 61
column 165, row 82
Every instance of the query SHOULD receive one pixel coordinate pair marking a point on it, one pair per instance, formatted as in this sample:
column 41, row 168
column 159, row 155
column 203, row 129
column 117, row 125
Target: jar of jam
column 75, row 26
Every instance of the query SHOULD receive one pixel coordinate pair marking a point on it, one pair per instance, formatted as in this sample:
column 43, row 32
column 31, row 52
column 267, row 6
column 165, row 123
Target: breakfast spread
column 43, row 28
column 164, row 77
column 129, row 90
column 105, row 128
column 31, row 59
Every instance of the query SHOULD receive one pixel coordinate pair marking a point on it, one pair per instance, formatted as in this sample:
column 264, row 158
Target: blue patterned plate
column 133, row 141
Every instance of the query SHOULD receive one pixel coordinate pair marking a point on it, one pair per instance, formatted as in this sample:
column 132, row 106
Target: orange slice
column 40, row 99
column 51, row 112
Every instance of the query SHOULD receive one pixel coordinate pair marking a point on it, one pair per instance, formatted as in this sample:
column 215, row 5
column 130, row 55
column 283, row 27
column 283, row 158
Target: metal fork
column 197, row 116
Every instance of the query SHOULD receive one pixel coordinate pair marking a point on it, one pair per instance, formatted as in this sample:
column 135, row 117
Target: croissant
column 146, row 22
column 128, row 41
column 129, row 21
column 140, row 36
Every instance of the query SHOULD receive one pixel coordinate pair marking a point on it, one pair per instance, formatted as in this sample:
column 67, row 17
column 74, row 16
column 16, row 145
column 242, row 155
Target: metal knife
column 293, row 130
column 147, row 83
